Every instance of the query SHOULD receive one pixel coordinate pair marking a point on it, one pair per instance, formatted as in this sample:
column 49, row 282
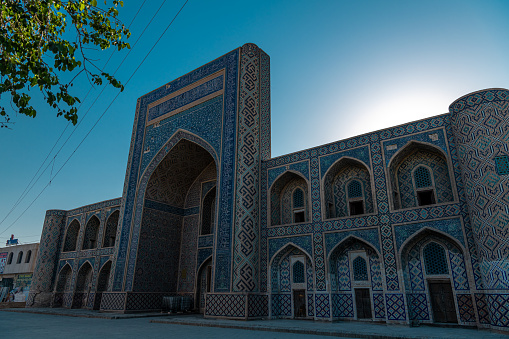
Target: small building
column 401, row 225
column 17, row 263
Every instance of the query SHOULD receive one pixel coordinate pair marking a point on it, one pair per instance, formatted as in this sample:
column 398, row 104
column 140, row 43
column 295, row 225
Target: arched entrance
column 436, row 277
column 166, row 261
column 102, row 284
column 292, row 282
column 83, row 286
column 203, row 284
column 356, row 281
column 63, row 286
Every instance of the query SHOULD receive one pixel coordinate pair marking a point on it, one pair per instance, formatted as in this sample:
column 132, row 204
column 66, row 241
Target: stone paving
column 193, row 324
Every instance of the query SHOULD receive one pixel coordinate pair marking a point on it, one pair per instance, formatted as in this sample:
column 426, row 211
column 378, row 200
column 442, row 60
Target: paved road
column 27, row 325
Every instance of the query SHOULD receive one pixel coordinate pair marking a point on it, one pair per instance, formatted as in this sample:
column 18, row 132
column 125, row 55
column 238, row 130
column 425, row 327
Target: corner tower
column 480, row 123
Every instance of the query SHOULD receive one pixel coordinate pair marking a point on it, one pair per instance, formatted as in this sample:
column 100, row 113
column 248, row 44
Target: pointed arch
column 161, row 210
column 90, row 238
column 208, row 212
column 84, row 277
column 280, row 198
column 287, row 248
column 110, row 231
column 203, row 282
column 71, row 236
column 336, row 202
column 402, row 184
column 352, row 238
column 427, row 231
column 103, row 277
column 64, row 279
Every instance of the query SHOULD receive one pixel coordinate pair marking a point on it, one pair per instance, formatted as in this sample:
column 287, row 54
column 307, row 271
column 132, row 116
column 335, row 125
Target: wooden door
column 442, row 302
column 299, row 303
column 363, row 303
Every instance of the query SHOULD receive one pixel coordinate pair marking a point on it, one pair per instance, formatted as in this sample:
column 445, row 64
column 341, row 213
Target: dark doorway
column 442, row 302
column 299, row 303
column 363, row 303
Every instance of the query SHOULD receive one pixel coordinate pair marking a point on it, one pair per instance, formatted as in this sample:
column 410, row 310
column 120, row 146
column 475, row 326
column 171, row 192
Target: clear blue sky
column 338, row 69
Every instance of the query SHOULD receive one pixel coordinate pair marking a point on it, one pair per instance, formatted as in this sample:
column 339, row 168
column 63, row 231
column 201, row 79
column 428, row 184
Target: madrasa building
column 402, row 225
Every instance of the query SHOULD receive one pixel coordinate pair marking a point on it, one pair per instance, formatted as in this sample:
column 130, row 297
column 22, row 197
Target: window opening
column 360, row 269
column 9, row 261
column 208, row 212
column 425, row 198
column 355, row 189
column 422, row 177
column 20, row 257
column 298, row 206
column 355, row 198
column 435, row 259
column 298, row 272
column 424, row 186
column 29, row 255
column 356, row 207
column 298, row 198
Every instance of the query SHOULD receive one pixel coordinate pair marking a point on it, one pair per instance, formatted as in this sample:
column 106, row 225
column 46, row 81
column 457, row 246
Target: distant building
column 17, row 264
column 408, row 223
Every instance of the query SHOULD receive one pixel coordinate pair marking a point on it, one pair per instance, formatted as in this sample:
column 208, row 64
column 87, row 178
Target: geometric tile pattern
column 482, row 308
column 342, row 305
column 226, row 305
column 379, row 305
column 440, row 172
column 466, row 308
column 322, row 305
column 258, row 305
column 245, row 254
column 395, row 307
column 417, row 306
column 480, row 121
column 335, row 183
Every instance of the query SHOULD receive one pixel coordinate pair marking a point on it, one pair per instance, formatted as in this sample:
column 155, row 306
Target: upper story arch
column 420, row 175
column 91, row 237
column 71, row 236
column 289, row 199
column 110, row 231
column 348, row 189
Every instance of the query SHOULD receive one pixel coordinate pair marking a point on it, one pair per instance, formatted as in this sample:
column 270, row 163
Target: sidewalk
column 348, row 329
column 335, row 329
column 83, row 313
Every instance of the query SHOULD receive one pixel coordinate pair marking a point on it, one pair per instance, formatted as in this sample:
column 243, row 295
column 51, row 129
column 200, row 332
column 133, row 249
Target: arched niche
column 347, row 189
column 203, row 283
column 91, row 233
column 208, row 212
column 110, row 231
column 71, row 236
column 289, row 199
column 356, row 276
column 409, row 169
column 64, row 279
column 170, row 224
column 434, row 270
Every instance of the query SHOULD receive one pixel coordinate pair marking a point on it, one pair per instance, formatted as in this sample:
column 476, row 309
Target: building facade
column 17, row 265
column 403, row 224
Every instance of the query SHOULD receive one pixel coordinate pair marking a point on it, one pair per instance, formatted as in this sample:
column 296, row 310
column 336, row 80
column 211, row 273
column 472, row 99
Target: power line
column 28, row 188
column 102, row 115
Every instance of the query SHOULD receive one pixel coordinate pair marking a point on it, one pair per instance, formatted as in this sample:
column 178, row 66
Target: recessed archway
column 170, row 225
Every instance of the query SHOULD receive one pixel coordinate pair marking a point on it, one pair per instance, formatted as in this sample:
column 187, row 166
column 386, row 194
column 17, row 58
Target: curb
column 348, row 334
